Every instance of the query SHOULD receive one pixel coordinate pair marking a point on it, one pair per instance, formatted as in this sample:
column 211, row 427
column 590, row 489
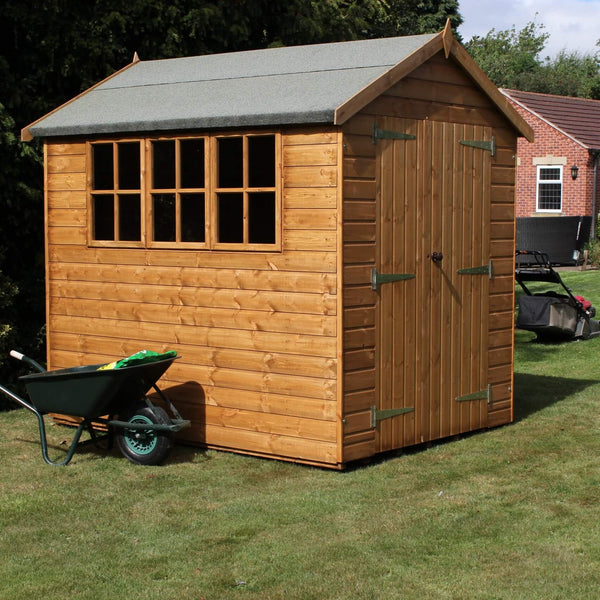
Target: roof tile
column 577, row 117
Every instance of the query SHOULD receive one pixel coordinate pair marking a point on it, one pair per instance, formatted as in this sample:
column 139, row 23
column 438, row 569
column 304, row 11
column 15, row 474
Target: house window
column 200, row 192
column 549, row 189
column 116, row 214
column 245, row 192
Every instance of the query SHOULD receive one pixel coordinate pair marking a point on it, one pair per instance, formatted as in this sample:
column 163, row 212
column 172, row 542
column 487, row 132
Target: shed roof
column 321, row 83
column 579, row 118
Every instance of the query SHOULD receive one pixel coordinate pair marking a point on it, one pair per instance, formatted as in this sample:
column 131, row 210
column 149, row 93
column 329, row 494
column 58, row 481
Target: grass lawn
column 507, row 513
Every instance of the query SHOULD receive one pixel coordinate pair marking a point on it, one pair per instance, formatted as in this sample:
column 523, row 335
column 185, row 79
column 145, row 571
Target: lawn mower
column 554, row 315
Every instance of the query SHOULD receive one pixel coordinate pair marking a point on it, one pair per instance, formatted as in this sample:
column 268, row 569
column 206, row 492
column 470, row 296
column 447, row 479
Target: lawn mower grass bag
column 552, row 315
column 548, row 316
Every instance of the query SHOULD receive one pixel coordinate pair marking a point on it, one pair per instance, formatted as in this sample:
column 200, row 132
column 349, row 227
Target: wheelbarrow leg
column 42, row 428
column 72, row 447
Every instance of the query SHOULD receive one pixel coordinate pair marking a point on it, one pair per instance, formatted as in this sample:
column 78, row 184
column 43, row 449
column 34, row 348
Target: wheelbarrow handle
column 27, row 360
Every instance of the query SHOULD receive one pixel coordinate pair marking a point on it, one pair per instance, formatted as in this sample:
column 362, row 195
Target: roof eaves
column 256, row 119
column 27, row 136
column 541, row 118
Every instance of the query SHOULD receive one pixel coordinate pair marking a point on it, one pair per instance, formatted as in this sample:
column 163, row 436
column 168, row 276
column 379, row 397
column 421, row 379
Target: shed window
column 178, row 190
column 116, row 192
column 549, row 189
column 246, row 190
column 216, row 192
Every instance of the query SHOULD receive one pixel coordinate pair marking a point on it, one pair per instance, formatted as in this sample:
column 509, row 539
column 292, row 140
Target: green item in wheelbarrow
column 139, row 358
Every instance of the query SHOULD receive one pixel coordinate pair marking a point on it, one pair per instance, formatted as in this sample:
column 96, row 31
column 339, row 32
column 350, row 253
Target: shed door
column 432, row 329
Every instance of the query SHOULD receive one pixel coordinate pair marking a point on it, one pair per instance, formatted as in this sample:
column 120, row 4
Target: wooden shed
column 324, row 233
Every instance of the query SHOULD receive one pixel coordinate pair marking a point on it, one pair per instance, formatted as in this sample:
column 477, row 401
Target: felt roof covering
column 321, row 83
column 579, row 118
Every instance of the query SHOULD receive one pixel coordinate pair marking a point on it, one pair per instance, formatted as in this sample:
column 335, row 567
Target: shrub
column 593, row 249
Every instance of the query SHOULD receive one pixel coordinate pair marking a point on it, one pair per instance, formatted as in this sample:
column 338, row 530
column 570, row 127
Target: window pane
column 163, row 164
column 192, row 217
column 103, row 217
column 549, row 174
column 230, row 162
column 129, row 218
column 262, row 218
column 231, row 218
column 129, row 165
column 192, row 163
column 549, row 196
column 261, row 161
column 164, row 217
column 102, row 158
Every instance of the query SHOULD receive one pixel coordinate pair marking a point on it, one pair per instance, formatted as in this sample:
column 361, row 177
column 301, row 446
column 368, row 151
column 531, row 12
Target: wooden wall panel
column 257, row 332
column 294, row 261
column 189, row 296
column 191, row 335
column 187, row 277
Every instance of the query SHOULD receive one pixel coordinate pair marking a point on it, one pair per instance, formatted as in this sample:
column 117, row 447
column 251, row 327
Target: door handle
column 437, row 257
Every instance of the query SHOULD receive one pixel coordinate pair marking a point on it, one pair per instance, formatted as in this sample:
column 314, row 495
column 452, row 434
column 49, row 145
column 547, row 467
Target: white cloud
column 572, row 24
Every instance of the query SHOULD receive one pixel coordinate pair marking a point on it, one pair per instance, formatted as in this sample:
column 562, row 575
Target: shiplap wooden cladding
column 287, row 350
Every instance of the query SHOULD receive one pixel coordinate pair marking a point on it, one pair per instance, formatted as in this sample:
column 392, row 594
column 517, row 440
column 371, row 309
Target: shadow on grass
column 536, row 392
column 180, row 453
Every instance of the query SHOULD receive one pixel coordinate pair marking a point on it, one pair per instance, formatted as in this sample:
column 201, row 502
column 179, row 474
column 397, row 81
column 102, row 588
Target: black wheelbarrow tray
column 114, row 398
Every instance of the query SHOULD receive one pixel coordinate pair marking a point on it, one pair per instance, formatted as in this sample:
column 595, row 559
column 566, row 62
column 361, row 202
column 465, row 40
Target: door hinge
column 482, row 144
column 387, row 413
column 481, row 395
column 384, row 134
column 379, row 278
column 482, row 270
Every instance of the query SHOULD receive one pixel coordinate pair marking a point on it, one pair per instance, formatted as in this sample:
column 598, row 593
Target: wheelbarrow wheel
column 145, row 446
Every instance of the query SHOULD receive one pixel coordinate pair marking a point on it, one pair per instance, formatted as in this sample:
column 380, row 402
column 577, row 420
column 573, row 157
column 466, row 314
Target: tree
column 570, row 74
column 511, row 59
column 411, row 17
column 21, row 247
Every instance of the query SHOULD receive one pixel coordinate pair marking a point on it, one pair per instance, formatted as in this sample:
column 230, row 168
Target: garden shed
column 324, row 233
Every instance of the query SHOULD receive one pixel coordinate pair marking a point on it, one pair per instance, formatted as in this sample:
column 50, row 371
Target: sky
column 573, row 25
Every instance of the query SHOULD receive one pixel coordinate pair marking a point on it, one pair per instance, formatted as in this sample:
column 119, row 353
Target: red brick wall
column 577, row 195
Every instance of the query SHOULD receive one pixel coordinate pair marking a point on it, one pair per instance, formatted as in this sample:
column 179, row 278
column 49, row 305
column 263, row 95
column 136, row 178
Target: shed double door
column 433, row 231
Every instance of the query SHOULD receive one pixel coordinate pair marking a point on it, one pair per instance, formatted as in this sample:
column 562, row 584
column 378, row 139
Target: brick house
column 557, row 174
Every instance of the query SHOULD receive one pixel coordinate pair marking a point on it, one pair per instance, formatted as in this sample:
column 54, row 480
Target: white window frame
column 548, row 181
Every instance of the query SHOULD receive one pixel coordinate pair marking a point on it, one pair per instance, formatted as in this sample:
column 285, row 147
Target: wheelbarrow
column 115, row 398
